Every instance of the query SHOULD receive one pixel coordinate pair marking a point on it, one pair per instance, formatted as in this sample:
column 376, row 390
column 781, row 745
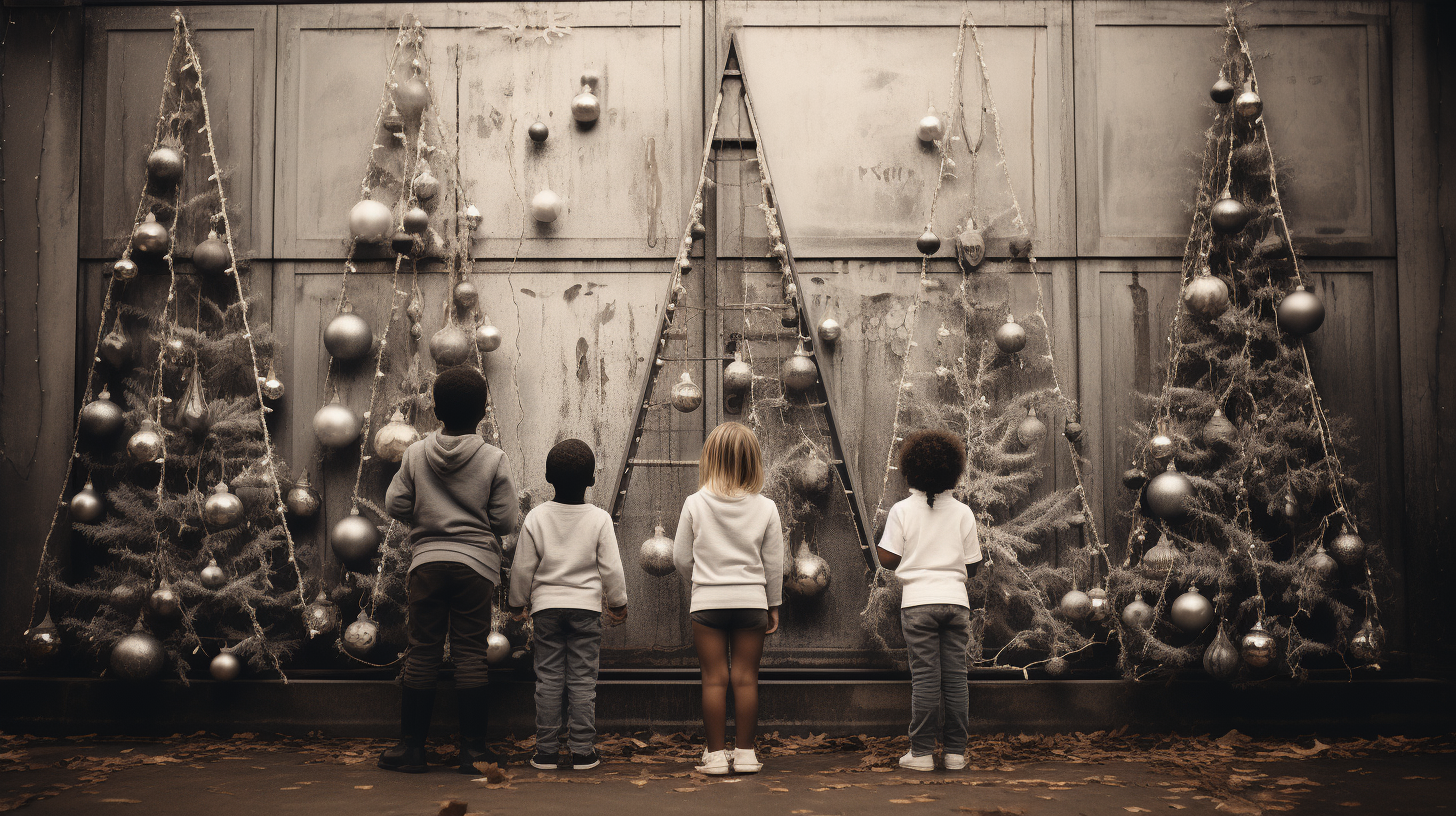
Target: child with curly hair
column 930, row 542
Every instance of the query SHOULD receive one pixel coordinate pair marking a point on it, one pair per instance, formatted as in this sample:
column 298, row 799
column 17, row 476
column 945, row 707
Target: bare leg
column 747, row 651
column 712, row 645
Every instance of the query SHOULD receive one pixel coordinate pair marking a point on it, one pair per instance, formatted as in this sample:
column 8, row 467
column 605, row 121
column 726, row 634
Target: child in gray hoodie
column 454, row 491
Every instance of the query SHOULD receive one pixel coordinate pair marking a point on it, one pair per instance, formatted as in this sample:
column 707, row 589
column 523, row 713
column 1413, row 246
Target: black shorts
column 730, row 619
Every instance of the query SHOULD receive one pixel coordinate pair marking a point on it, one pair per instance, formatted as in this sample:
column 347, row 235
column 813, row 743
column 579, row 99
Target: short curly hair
column 571, row 464
column 932, row 460
column 460, row 394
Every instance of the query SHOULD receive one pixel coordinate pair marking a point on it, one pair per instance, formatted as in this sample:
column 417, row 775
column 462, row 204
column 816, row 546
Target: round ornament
column 686, row 395
column 1160, row 446
column 655, row 555
column 1322, row 567
column 302, row 501
column 348, row 336
column 738, row 375
column 799, row 373
column 1368, row 642
column 546, row 206
column 150, row 237
column 1158, row 560
column 124, row 269
column 449, row 346
column 361, row 635
column 371, row 221
column 137, row 656
column 538, row 132
column 789, row 315
column 1101, row 607
column 146, row 444
column 426, row 186
column 487, row 338
column 164, row 165
column 212, row 575
column 585, row 107
column 211, row 257
column 354, row 539
column 1221, row 659
column 164, row 601
column 1010, row 337
column 125, row 598
column 321, row 616
column 1219, row 431
column 116, row 348
column 1300, row 312
column 1257, row 647
column 1248, row 105
column 1222, row 91
column 1170, row 496
column 415, row 221
column 497, row 648
column 465, row 295
column 1229, row 215
column 1206, row 296
column 1075, row 605
column 809, row 575
column 1031, row 431
column 271, row 386
column 222, row 509
column 87, row 505
column 813, row 477
column 43, row 641
column 1134, row 479
column 697, row 231
column 829, row 331
column 336, row 426
column 411, row 97
column 1190, row 611
column 1348, row 548
column 931, row 128
column 1057, row 667
column 1072, row 430
column 1137, row 614
column 391, row 440
column 404, row 243
column 225, row 666
column 927, row 243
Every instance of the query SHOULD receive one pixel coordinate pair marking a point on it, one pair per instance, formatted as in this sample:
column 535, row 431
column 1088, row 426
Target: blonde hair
column 731, row 463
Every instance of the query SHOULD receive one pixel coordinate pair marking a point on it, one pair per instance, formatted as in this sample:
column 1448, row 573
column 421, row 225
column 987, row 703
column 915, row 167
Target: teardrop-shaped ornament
column 193, row 413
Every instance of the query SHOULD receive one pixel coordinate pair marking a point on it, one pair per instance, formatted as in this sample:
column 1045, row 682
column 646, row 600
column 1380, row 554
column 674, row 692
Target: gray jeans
column 568, row 647
column 940, row 699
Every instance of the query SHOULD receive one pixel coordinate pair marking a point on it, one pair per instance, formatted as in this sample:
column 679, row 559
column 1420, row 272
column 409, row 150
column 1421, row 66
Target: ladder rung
column 662, row 463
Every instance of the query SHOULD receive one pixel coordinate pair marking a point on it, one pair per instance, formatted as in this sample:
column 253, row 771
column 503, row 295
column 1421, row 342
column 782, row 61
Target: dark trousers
column 447, row 597
column 568, row 646
column 935, row 641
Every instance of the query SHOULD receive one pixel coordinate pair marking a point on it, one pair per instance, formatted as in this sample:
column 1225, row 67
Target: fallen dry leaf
column 1136, row 809
column 1349, row 804
column 453, row 807
column 363, row 787
column 687, row 790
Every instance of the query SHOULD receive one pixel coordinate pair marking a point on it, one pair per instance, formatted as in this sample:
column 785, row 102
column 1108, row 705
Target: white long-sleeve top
column 732, row 549
column 934, row 544
column 567, row 558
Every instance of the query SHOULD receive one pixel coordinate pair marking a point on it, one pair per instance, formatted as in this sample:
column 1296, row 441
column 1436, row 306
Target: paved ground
column 245, row 775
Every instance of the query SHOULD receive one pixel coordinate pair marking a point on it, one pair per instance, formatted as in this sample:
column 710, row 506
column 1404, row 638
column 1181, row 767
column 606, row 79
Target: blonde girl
column 730, row 545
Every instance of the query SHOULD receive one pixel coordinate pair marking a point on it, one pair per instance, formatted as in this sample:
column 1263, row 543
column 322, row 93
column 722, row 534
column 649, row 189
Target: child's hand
column 773, row 621
column 616, row 616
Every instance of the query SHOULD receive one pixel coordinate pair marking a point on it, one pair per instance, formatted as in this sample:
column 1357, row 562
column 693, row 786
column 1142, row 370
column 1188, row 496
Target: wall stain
column 1142, row 345
column 528, row 292
column 583, row 363
column 654, row 192
column 608, row 312
column 571, row 293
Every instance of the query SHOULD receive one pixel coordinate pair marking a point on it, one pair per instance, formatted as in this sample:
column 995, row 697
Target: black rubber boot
column 474, row 704
column 415, row 706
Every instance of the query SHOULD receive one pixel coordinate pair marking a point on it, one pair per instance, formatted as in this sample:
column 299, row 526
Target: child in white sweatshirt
column 730, row 543
column 566, row 560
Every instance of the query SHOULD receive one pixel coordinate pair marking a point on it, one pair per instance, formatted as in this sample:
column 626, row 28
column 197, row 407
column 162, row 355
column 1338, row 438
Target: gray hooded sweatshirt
column 456, row 494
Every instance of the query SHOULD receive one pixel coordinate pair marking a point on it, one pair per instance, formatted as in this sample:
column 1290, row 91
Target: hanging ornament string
column 216, row 178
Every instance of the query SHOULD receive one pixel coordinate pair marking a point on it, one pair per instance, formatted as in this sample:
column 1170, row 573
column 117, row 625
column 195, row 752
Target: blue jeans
column 940, row 699
column 568, row 647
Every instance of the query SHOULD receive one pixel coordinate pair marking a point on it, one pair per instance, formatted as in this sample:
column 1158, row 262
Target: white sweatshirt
column 934, row 544
column 732, row 549
column 566, row 558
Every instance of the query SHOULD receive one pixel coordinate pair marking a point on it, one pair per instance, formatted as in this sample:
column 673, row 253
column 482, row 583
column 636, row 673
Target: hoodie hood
column 445, row 461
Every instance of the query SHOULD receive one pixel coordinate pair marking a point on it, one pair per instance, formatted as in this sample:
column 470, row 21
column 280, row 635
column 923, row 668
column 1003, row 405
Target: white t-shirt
column 934, row 544
column 732, row 549
column 567, row 558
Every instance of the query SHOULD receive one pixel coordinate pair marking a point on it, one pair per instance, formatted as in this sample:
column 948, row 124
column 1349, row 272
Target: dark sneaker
column 471, row 757
column 585, row 762
column 404, row 758
column 546, row 762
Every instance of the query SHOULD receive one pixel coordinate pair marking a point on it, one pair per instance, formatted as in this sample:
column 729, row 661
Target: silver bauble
column 1206, row 296
column 1348, row 548
column 1056, row 667
column 497, row 648
column 1368, row 642
column 813, row 478
column 222, row 509
column 336, row 426
column 391, row 440
column 970, row 248
column 212, row 575
column 465, row 295
column 1075, row 605
column 348, row 336
column 487, row 338
column 1322, row 568
column 1228, row 215
column 1257, row 647
column 686, row 395
column 225, row 666
column 302, row 501
column 124, row 269
column 449, row 346
column 1101, row 607
column 1010, row 337
column 361, row 635
column 829, row 331
column 426, row 186
column 116, row 347
column 321, row 616
column 1219, row 431
column 354, row 539
column 1160, row 558
column 411, row 97
column 585, row 107
column 164, row 601
column 928, row 243
column 271, row 386
column 404, row 243
column 1170, row 496
column 1032, row 430
column 538, row 132
column 101, row 418
column 1248, row 105
column 125, row 598
column 655, row 556
column 799, row 372
column 165, row 165
column 1072, row 430
column 1134, row 479
column 137, row 656
column 86, row 504
column 1221, row 659
column 192, row 414
column 737, row 376
column 150, row 237
column 211, row 257
column 1300, row 312
column 931, row 128
column 1222, row 91
column 43, row 640
column 1160, row 446
column 546, row 206
column 1190, row 611
column 808, row 575
column 371, row 221
column 415, row 221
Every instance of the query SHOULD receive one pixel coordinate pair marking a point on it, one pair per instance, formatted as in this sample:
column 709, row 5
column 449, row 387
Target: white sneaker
column 917, row 763
column 955, row 762
column 746, row 761
column 715, row 763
